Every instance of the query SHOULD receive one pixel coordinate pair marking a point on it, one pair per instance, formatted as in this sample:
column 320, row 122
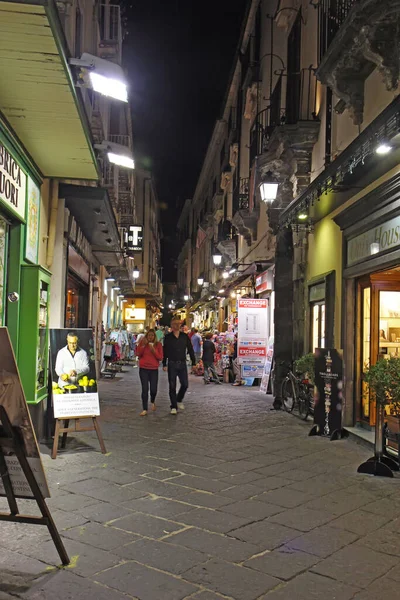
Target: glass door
column 365, row 350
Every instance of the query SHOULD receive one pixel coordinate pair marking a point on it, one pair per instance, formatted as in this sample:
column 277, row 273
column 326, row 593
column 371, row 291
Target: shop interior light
column 200, row 280
column 136, row 273
column 383, row 148
column 233, row 294
column 169, row 305
column 302, row 216
column 221, row 291
column 186, row 297
column 116, row 288
column 225, row 275
column 110, row 279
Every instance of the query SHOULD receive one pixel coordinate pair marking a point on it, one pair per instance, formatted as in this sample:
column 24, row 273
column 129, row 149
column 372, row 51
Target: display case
column 33, row 346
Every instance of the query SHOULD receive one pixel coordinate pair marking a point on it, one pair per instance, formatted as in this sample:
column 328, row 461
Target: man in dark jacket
column 176, row 344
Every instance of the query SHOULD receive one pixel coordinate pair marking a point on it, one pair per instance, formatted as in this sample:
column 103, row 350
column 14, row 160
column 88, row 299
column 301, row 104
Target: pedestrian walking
column 208, row 360
column 176, row 344
column 150, row 353
column 196, row 343
column 235, row 364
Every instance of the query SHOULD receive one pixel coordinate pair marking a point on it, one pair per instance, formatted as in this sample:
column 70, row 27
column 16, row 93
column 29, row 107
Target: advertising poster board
column 252, row 330
column 73, row 373
column 12, row 398
column 252, row 371
column 267, row 366
column 328, row 395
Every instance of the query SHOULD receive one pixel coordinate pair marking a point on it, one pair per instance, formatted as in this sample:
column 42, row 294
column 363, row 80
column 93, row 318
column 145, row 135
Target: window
column 318, row 325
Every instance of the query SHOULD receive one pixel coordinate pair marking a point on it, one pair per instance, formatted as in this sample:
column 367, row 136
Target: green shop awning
column 37, row 94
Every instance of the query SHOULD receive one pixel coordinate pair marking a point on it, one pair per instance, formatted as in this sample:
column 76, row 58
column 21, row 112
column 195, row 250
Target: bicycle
column 297, row 390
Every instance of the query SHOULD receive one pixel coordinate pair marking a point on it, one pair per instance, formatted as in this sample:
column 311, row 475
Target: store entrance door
column 77, row 305
column 378, row 305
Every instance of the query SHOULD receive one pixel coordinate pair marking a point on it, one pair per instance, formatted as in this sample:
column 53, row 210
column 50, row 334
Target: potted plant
column 306, row 366
column 383, row 379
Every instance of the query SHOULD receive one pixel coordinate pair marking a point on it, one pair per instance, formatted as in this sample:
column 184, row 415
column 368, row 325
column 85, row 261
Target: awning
column 37, row 95
column 93, row 212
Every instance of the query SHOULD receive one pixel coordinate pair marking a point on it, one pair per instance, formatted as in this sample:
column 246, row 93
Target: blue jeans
column 148, row 378
column 177, row 370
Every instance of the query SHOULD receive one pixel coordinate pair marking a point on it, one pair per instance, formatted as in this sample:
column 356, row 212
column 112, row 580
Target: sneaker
column 174, row 411
column 143, row 413
column 181, row 406
column 236, row 383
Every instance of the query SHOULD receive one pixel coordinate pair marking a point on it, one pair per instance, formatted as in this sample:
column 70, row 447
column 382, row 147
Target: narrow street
column 226, row 500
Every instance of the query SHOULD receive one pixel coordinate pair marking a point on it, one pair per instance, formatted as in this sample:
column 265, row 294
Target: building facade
column 65, row 205
column 312, row 109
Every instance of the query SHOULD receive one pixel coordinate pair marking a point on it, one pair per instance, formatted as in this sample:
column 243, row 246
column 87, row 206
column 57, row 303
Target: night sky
column 179, row 55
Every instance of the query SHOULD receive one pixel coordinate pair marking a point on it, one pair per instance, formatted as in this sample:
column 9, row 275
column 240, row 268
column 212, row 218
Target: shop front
column 371, row 328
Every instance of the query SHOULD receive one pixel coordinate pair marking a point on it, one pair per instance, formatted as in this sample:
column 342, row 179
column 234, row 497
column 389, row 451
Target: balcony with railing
column 110, row 32
column 331, row 16
column 356, row 37
column 244, row 213
column 299, row 105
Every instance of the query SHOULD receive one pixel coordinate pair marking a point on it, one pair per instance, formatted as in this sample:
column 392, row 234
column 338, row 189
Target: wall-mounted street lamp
column 217, row 258
column 200, row 280
column 136, row 273
column 117, row 154
column 225, row 275
column 269, row 189
column 103, row 76
column 186, row 298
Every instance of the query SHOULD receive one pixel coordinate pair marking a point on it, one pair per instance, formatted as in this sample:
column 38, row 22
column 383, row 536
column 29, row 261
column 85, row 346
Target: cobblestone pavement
column 226, row 500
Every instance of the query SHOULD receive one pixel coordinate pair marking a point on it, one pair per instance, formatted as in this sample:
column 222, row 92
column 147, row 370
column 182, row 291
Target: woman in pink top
column 150, row 353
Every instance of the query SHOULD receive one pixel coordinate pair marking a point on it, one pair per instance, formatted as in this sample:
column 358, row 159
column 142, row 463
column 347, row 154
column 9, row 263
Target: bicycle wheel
column 287, row 395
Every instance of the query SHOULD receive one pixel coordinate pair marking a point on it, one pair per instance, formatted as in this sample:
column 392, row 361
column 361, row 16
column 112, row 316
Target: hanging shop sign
column 12, row 400
column 381, row 238
column 134, row 238
column 328, row 397
column 252, row 330
column 73, row 373
column 265, row 282
column 12, row 183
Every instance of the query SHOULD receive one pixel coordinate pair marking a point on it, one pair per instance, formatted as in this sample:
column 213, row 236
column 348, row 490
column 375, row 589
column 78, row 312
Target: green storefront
column 44, row 137
column 24, row 285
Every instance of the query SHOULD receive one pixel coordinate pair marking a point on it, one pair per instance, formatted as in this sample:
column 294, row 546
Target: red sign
column 253, row 303
column 264, row 282
column 252, row 351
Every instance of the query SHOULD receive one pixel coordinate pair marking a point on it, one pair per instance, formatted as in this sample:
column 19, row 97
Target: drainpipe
column 51, row 241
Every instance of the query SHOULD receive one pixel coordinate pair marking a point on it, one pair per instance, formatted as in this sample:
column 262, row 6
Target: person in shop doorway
column 176, row 344
column 235, row 364
column 208, row 360
column 196, row 343
column 150, row 353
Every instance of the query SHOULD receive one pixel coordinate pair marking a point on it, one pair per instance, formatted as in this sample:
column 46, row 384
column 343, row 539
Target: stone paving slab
column 146, row 583
column 234, row 581
column 228, row 500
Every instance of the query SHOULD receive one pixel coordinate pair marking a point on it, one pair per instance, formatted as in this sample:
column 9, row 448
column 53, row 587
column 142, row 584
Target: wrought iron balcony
column 241, row 196
column 331, row 16
column 299, row 106
column 110, row 32
column 356, row 37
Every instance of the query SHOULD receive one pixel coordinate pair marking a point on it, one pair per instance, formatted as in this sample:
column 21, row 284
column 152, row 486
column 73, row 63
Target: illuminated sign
column 134, row 238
